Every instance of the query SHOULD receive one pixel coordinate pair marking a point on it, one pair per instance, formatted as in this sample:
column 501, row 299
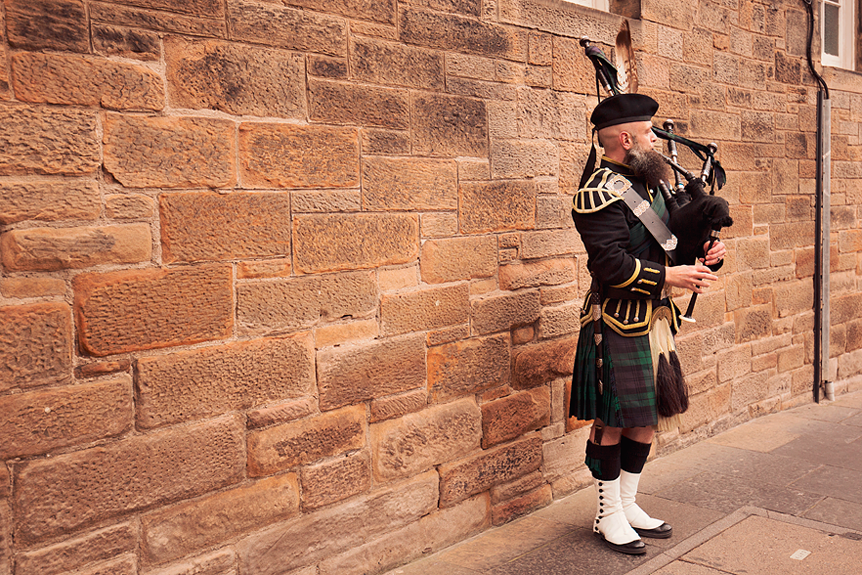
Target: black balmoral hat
column 623, row 108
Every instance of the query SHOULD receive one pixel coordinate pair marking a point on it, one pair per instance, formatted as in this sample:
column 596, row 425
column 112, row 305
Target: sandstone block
column 354, row 374
column 48, row 24
column 551, row 243
column 125, row 42
column 326, row 67
column 333, row 481
column 5, row 537
column 85, row 81
column 409, row 184
column 753, row 322
column 129, row 207
column 275, row 268
column 514, row 415
column 207, row 19
column 50, row 249
column 477, row 473
column 306, row 441
column 339, row 333
column 97, row 369
column 354, row 241
column 449, row 260
column 571, row 71
column 43, row 140
column 31, row 287
column 523, row 159
column 504, row 312
column 305, row 301
column 237, row 225
column 123, row 565
column 76, row 553
column 394, row 279
column 328, row 532
column 280, row 413
column 543, row 362
column 845, row 308
column 291, row 156
column 560, row 320
column 391, row 142
column 793, row 298
column 39, row 348
column 536, row 499
column 343, row 103
column 456, row 33
column 326, row 201
column 439, row 224
column 189, row 527
column 383, row 12
column 449, row 126
column 172, row 307
column 419, row 441
column 706, row 407
column 126, row 476
column 274, row 25
column 221, row 562
column 468, row 366
column 398, row 405
column 170, row 152
column 497, row 206
column 424, row 309
column 235, row 78
column 40, row 421
column 392, row 64
column 535, row 274
column 215, row 380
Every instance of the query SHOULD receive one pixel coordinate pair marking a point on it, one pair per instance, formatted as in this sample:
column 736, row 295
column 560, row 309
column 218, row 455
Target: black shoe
column 663, row 531
column 636, row 547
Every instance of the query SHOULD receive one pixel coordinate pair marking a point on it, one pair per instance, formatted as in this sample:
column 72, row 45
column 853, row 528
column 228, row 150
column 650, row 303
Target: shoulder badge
column 602, row 189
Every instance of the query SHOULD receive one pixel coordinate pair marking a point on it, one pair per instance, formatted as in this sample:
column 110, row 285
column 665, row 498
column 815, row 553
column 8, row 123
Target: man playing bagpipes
column 626, row 374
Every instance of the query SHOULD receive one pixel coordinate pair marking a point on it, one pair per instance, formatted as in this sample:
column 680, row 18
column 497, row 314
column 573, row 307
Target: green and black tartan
column 629, row 386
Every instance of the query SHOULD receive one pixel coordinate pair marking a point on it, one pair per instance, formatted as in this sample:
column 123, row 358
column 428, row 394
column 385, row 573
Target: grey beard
column 648, row 165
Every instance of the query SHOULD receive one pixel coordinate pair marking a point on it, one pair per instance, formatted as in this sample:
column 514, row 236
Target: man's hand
column 695, row 278
column 715, row 254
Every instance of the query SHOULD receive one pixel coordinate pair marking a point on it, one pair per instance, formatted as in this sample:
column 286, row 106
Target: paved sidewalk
column 781, row 494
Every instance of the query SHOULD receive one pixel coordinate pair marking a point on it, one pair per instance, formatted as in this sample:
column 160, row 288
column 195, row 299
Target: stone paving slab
column 835, row 482
column 838, row 512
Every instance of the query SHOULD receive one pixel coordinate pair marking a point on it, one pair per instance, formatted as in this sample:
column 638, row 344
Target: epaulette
column 599, row 191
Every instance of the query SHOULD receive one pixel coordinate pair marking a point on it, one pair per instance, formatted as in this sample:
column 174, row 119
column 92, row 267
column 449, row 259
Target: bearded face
column 647, row 164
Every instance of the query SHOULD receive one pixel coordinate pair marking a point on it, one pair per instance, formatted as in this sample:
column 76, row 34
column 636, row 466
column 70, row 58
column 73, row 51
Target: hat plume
column 624, row 56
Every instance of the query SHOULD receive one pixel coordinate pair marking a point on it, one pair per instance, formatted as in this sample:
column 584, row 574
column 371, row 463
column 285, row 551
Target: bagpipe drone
column 695, row 216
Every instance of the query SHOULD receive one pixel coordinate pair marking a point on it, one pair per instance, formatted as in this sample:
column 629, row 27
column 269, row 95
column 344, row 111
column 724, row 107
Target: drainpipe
column 822, row 215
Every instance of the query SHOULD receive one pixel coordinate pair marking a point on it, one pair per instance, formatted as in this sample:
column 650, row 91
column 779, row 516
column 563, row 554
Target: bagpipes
column 695, row 216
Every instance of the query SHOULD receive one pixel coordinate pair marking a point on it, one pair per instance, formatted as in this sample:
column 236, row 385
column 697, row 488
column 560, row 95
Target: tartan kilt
column 629, row 398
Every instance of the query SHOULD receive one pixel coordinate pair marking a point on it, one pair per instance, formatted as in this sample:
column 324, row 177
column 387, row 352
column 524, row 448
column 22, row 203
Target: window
column 597, row 4
column 837, row 33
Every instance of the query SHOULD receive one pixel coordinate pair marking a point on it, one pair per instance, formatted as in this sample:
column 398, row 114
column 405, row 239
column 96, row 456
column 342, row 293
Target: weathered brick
column 329, row 242
column 221, row 562
column 449, row 126
column 409, row 184
column 433, row 532
column 348, row 375
column 305, row 301
column 188, row 527
column 206, row 19
column 273, row 25
column 398, row 405
column 325, row 533
column 40, row 421
column 424, row 309
column 339, row 333
column 170, row 152
column 291, row 156
column 334, row 481
column 51, row 249
column 47, row 24
column 345, row 103
column 235, row 78
column 450, row 32
column 395, row 64
column 214, row 380
column 468, row 366
column 476, row 473
column 503, row 312
column 43, row 140
column 514, row 415
column 123, row 477
column 39, row 345
column 31, row 287
column 497, row 206
column 125, row 42
column 448, row 260
column 171, row 307
column 237, row 225
column 86, row 81
column 543, row 362
column 419, row 441
column 535, row 274
column 75, row 553
column 306, row 441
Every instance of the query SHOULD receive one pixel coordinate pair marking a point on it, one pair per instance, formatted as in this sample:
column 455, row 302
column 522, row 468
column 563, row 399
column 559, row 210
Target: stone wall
column 292, row 286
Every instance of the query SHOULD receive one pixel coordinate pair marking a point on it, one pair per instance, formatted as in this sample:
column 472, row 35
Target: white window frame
column 846, row 34
column 602, row 5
